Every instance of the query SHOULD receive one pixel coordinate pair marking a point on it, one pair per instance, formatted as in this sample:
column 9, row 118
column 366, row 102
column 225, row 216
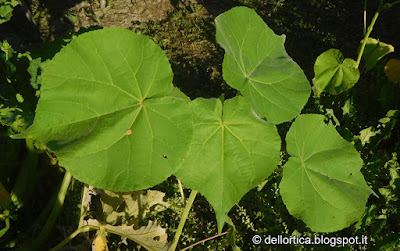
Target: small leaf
column 392, row 70
column 348, row 107
column 374, row 51
column 34, row 70
column 322, row 183
column 233, row 150
column 19, row 98
column 333, row 73
column 366, row 134
column 257, row 65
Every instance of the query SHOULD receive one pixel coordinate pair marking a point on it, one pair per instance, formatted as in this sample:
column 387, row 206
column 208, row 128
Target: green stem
column 37, row 222
column 391, row 5
column 43, row 235
column 73, row 235
column 181, row 190
column 371, row 26
column 183, row 219
column 24, row 185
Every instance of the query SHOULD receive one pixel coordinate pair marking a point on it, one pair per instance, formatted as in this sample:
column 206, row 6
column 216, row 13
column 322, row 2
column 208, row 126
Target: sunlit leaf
column 334, row 73
column 105, row 113
column 322, row 183
column 232, row 151
column 257, row 65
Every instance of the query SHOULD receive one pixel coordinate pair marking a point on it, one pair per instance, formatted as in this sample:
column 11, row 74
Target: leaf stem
column 202, row 241
column 184, row 216
column 391, row 4
column 43, row 235
column 371, row 26
column 73, row 235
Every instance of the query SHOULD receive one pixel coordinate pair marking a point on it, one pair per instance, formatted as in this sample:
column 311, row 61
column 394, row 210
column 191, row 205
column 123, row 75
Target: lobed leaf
column 257, row 65
column 233, row 150
column 105, row 113
column 322, row 183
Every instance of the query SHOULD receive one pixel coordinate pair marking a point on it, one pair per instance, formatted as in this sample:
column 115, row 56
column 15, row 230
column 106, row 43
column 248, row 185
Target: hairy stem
column 73, row 235
column 183, row 219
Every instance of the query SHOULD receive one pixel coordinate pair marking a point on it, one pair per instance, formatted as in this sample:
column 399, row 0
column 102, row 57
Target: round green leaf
column 333, row 73
column 257, row 65
column 322, row 183
column 104, row 112
column 232, row 151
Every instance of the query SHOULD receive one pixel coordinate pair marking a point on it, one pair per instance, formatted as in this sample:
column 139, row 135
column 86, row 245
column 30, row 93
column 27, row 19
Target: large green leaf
column 104, row 112
column 322, row 183
column 334, row 73
column 233, row 150
column 257, row 65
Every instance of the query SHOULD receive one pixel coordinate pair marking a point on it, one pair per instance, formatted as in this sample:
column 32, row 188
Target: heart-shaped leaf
column 333, row 73
column 233, row 150
column 257, row 65
column 322, row 183
column 104, row 112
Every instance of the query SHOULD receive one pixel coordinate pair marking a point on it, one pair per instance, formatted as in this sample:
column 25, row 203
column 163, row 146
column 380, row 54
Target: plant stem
column 391, row 5
column 365, row 17
column 183, row 219
column 43, row 235
column 371, row 26
column 24, row 186
column 181, row 190
column 73, row 235
column 202, row 241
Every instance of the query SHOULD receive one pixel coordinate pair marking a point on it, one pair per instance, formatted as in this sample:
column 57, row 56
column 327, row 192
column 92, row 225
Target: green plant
column 336, row 74
column 6, row 9
column 118, row 124
column 109, row 113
